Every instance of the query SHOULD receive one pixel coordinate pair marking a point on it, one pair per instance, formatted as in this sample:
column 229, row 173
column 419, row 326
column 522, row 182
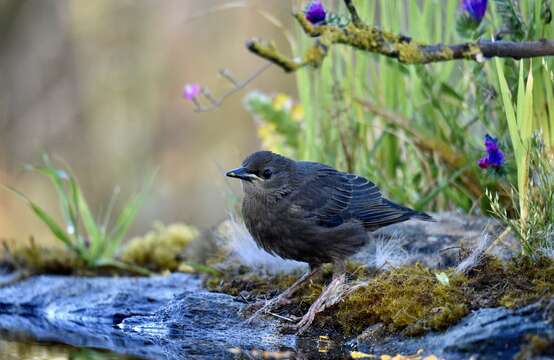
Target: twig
column 449, row 248
column 279, row 316
column 237, row 86
column 244, row 299
column 407, row 51
column 353, row 13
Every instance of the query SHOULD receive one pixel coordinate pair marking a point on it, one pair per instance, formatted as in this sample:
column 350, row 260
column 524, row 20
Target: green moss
column 250, row 286
column 161, row 248
column 409, row 298
column 240, row 281
column 528, row 281
column 536, row 346
column 36, row 259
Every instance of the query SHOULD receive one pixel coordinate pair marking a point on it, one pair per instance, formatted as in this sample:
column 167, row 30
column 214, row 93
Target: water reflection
column 19, row 347
column 23, row 349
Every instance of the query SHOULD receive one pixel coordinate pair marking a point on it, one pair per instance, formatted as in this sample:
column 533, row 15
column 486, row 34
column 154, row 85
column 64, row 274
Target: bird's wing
column 332, row 198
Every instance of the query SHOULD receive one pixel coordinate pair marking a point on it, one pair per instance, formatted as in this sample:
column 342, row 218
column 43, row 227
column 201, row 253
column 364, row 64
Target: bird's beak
column 243, row 174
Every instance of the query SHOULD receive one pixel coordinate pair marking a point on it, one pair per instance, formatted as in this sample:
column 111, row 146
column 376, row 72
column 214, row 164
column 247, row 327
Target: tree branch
column 407, row 51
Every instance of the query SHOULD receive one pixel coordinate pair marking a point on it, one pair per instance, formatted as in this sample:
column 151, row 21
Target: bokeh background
column 98, row 85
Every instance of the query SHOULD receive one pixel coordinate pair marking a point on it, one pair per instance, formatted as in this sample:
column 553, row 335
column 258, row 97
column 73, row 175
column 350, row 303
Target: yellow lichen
column 409, row 53
column 472, row 52
column 161, row 248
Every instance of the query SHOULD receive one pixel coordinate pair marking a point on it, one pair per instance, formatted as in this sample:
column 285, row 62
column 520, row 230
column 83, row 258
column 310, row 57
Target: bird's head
column 264, row 171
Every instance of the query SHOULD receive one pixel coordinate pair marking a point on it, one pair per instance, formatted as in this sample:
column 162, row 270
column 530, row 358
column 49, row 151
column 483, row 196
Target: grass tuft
column 92, row 242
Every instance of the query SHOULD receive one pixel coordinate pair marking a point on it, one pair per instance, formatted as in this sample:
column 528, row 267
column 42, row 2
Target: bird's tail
column 420, row 215
column 411, row 213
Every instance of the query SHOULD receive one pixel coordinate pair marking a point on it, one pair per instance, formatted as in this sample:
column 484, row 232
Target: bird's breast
column 268, row 222
column 285, row 229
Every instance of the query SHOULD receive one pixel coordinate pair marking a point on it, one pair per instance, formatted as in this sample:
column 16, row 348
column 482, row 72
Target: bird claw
column 332, row 294
column 301, row 326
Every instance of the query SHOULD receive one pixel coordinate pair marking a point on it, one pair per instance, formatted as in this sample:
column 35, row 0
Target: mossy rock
column 37, row 259
column 409, row 298
column 528, row 281
column 251, row 286
column 161, row 248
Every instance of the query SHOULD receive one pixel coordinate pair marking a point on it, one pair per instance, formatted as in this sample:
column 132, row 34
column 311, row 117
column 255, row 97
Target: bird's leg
column 339, row 269
column 285, row 296
column 331, row 295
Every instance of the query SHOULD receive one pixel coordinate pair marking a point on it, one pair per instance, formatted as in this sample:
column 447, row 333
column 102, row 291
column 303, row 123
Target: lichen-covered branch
column 406, row 50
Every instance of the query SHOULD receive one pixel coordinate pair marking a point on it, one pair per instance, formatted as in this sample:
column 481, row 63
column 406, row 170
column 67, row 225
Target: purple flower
column 475, row 8
column 315, row 12
column 494, row 157
column 191, row 91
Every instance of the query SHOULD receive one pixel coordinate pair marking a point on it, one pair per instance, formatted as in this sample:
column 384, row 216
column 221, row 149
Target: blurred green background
column 98, row 84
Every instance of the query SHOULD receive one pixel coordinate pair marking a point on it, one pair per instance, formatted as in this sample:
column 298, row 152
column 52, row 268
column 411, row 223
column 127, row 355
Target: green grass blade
column 123, row 266
column 93, row 233
column 548, row 126
column 423, row 203
column 56, row 229
column 125, row 219
column 57, row 178
column 508, row 107
column 108, row 212
column 527, row 126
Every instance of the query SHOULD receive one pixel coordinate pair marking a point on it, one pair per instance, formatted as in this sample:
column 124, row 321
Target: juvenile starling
column 310, row 212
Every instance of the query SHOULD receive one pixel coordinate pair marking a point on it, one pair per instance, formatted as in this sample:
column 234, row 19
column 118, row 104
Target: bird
column 310, row 212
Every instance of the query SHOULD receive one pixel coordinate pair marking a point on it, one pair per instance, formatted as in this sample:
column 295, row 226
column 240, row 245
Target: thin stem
column 353, row 13
column 237, row 86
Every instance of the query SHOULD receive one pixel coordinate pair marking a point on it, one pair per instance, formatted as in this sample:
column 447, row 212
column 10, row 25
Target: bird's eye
column 267, row 173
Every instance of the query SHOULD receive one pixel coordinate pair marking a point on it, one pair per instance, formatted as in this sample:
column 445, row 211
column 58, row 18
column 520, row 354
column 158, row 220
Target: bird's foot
column 266, row 306
column 332, row 294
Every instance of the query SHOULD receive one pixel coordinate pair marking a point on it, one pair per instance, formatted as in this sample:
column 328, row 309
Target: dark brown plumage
column 310, row 212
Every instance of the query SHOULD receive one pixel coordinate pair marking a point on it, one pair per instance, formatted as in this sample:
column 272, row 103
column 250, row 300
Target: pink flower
column 484, row 162
column 191, row 91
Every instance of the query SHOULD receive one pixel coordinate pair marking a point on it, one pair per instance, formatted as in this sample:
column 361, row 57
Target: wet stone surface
column 492, row 333
column 157, row 317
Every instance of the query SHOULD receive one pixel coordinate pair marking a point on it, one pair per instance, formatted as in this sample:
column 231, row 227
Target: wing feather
column 332, row 198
